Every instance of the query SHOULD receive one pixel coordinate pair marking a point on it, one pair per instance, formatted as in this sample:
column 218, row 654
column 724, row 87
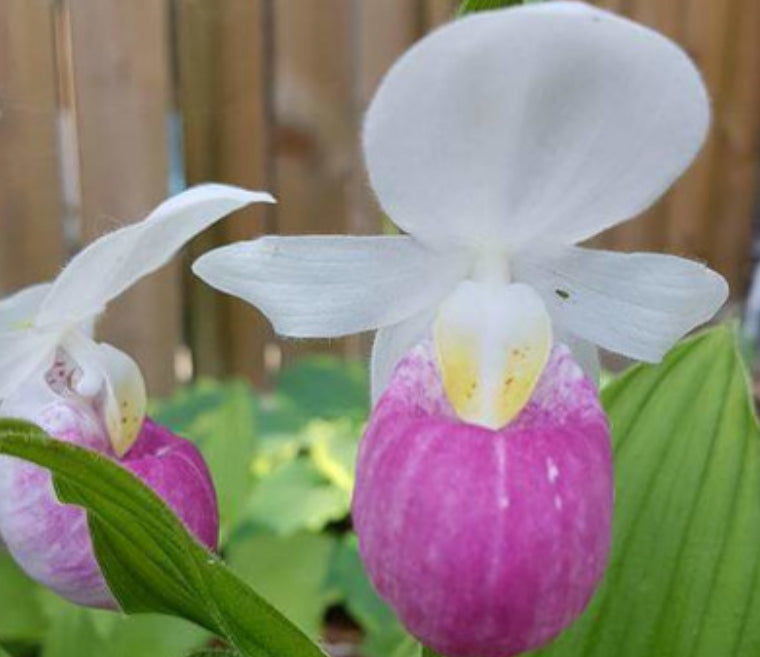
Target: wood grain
column 224, row 91
column 120, row 67
column 32, row 246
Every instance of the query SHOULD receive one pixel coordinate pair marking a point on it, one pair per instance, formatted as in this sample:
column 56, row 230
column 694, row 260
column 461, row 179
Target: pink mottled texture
column 486, row 543
column 51, row 542
column 174, row 468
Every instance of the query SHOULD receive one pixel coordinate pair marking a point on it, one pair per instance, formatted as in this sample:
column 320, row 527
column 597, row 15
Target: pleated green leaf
column 150, row 561
column 684, row 577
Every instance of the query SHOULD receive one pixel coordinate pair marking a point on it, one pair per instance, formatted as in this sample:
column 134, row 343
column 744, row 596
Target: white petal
column 34, row 394
column 585, row 353
column 492, row 342
column 391, row 345
column 22, row 353
column 116, row 261
column 115, row 380
column 19, row 310
column 636, row 304
column 320, row 286
column 552, row 119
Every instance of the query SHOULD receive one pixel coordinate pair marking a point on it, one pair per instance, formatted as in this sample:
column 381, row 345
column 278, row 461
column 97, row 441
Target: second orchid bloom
column 498, row 143
column 53, row 373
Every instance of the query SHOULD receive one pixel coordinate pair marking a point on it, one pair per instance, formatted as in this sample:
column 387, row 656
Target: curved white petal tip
column 114, row 262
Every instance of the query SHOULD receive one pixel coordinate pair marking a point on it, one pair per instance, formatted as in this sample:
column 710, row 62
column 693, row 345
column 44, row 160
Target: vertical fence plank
column 438, row 12
column 223, row 98
column 615, row 237
column 384, row 31
column 31, row 239
column 708, row 213
column 645, row 232
column 121, row 83
column 736, row 173
column 704, row 36
column 316, row 127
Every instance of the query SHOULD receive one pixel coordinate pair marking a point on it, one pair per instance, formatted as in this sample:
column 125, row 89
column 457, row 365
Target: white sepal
column 111, row 264
column 635, row 304
column 551, row 121
column 329, row 286
column 17, row 312
column 585, row 353
column 22, row 353
column 391, row 345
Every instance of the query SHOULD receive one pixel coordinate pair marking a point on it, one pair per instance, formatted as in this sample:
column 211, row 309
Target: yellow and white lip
column 112, row 376
column 492, row 343
column 126, row 399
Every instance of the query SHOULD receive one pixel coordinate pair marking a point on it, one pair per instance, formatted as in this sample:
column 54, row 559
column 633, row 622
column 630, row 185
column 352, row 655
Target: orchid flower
column 53, row 373
column 484, row 486
column 498, row 143
column 50, row 319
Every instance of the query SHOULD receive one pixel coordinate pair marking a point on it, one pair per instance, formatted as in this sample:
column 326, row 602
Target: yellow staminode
column 492, row 343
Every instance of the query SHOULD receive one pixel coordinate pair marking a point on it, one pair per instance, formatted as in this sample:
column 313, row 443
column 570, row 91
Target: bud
column 51, row 541
column 487, row 543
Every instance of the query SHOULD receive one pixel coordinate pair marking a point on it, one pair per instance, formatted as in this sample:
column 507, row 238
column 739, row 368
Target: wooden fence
column 106, row 105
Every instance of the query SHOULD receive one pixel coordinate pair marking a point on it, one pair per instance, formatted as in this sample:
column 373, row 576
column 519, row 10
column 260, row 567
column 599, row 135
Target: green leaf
column 327, row 387
column 290, row 571
column 3, row 653
column 150, row 561
column 22, row 618
column 333, row 450
column 281, row 437
column 297, row 496
column 384, row 635
column 75, row 632
column 188, row 405
column 684, row 577
column 215, row 652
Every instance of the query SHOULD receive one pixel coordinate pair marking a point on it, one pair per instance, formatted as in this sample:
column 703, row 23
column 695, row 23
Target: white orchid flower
column 498, row 143
column 53, row 322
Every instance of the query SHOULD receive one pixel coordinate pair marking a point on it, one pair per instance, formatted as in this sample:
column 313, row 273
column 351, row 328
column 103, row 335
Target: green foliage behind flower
column 683, row 578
